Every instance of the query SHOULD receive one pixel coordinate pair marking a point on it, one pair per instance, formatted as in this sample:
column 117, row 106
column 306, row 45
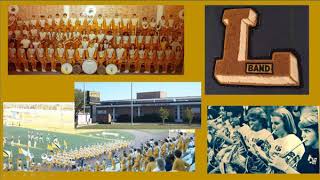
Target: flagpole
column 131, row 106
column 84, row 100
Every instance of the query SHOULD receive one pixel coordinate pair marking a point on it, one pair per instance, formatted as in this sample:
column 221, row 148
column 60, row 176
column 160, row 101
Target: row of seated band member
column 157, row 51
column 84, row 22
column 260, row 144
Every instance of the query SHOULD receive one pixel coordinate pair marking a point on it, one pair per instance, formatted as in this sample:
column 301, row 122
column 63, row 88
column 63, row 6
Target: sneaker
column 53, row 70
column 26, row 70
column 146, row 72
column 163, row 72
column 126, row 71
column 156, row 72
column 118, row 71
column 18, row 70
column 136, row 72
column 172, row 72
column 43, row 70
column 34, row 70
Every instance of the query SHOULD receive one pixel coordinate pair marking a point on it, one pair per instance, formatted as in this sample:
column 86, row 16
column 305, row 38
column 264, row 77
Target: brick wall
column 25, row 12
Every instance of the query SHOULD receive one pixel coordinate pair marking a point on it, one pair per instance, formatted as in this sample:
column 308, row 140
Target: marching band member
column 36, row 43
column 92, row 35
column 73, row 22
column 309, row 162
column 117, row 23
column 40, row 52
column 159, row 60
column 33, row 31
column 34, row 21
column 142, row 55
column 145, row 24
column 42, row 22
column 57, row 21
column 85, row 43
column 82, row 23
column 178, row 58
column 64, row 21
column 110, row 58
column 70, row 56
column 50, row 57
column 125, row 40
column 60, row 54
column 152, row 25
column 168, row 58
column 151, row 59
column 134, row 23
column 100, row 36
column 49, row 22
column 100, row 22
column 147, row 40
column 22, row 58
column 137, row 159
column 151, row 165
column 171, row 22
column 125, row 23
column 140, row 39
column 121, row 56
column 13, row 57
column 31, row 55
column 101, row 55
column 108, row 22
column 179, row 164
column 133, row 53
column 123, row 162
column 42, row 34
column 91, row 52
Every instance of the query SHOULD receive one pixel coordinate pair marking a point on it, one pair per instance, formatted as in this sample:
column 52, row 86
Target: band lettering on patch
column 234, row 68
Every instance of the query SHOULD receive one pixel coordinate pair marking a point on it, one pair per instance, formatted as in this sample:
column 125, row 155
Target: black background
column 279, row 28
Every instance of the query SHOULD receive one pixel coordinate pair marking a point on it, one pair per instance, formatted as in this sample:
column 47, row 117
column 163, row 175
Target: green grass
column 74, row 140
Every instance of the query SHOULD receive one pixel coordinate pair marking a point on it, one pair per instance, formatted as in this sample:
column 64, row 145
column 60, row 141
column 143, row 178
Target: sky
column 121, row 90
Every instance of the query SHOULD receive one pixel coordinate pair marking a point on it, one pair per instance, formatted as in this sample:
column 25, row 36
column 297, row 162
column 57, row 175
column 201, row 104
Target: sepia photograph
column 95, row 39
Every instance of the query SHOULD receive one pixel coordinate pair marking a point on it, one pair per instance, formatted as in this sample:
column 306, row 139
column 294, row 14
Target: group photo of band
column 263, row 139
column 95, row 39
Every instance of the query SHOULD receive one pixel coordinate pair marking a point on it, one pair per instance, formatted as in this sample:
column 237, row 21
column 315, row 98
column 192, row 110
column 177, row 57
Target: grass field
column 74, row 140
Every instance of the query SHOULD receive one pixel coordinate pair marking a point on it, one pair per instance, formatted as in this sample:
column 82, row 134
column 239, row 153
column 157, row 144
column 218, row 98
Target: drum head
column 77, row 69
column 111, row 69
column 66, row 68
column 89, row 66
column 101, row 69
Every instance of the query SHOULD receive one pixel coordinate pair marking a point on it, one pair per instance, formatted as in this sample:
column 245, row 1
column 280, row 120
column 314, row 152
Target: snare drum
column 101, row 69
column 111, row 69
column 66, row 68
column 89, row 66
column 77, row 69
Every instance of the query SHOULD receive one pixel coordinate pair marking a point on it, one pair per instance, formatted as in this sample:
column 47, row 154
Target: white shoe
column 26, row 70
column 146, row 72
column 156, row 72
column 172, row 72
column 53, row 70
column 43, row 70
column 163, row 72
column 118, row 71
column 126, row 71
column 34, row 70
column 136, row 72
column 18, row 70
